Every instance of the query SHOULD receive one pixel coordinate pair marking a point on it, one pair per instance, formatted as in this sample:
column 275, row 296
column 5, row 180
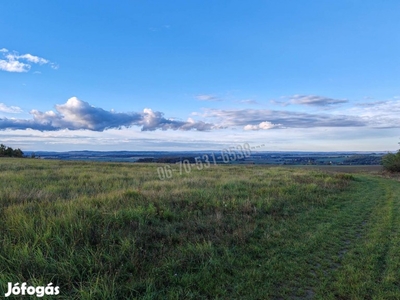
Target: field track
column 367, row 228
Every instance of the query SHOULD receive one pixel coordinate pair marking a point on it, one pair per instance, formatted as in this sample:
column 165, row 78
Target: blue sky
column 191, row 75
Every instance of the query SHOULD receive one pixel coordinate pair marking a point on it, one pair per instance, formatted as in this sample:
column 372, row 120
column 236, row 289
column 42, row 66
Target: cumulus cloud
column 10, row 109
column 13, row 62
column 13, row 66
column 263, row 125
column 153, row 120
column 76, row 114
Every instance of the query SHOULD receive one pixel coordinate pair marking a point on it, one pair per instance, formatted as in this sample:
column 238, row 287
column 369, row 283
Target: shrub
column 391, row 162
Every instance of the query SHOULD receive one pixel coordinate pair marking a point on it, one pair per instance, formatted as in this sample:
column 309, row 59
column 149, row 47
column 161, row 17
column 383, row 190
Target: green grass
column 115, row 231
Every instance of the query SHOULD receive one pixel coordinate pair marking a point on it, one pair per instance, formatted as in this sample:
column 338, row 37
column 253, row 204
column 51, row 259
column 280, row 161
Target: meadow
column 116, row 231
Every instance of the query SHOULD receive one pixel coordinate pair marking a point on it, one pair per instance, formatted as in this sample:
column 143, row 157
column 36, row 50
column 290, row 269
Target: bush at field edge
column 391, row 162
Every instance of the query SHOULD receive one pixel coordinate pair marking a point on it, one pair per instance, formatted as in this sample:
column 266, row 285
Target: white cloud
column 10, row 109
column 80, row 115
column 32, row 58
column 380, row 114
column 14, row 66
column 263, row 125
column 76, row 115
column 13, row 62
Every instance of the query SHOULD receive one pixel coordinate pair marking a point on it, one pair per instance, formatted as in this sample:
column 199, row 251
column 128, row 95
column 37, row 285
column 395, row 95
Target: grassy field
column 115, row 231
column 370, row 169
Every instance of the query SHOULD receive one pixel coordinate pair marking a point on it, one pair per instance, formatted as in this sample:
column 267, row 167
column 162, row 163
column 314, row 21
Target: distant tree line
column 363, row 160
column 10, row 152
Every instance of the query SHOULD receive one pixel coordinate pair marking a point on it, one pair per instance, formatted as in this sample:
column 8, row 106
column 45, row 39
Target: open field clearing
column 115, row 231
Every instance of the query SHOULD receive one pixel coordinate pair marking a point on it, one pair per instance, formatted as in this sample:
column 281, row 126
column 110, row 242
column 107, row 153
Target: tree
column 17, row 153
column 10, row 152
column 2, row 149
column 391, row 162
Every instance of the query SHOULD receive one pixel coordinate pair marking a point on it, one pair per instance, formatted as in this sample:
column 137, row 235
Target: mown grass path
column 347, row 250
column 115, row 231
column 370, row 269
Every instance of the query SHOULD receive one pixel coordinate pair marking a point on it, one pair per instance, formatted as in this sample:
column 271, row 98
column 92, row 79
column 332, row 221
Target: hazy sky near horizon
column 191, row 75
